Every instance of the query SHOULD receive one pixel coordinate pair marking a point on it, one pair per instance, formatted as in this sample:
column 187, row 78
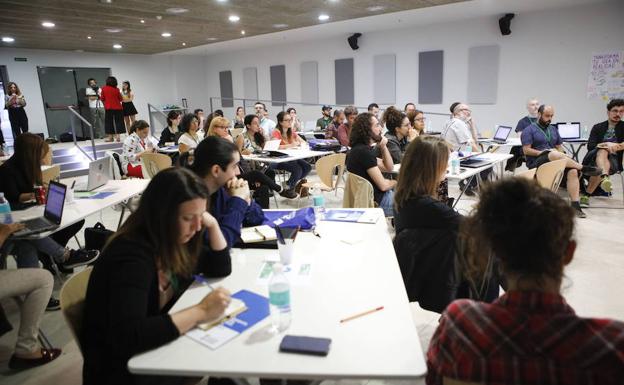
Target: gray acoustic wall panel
column 278, row 84
column 430, row 77
column 225, row 82
column 309, row 82
column 250, row 85
column 483, row 63
column 345, row 93
column 384, row 72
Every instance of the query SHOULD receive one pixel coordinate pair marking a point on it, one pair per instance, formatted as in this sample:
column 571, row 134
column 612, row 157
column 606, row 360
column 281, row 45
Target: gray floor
column 592, row 283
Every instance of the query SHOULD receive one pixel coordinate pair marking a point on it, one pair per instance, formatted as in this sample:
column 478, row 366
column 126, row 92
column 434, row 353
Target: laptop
column 569, row 132
column 270, row 149
column 474, row 161
column 99, row 171
column 52, row 214
column 501, row 135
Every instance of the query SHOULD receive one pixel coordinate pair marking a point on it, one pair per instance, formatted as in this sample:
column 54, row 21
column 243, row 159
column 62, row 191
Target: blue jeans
column 298, row 170
column 387, row 203
column 27, row 252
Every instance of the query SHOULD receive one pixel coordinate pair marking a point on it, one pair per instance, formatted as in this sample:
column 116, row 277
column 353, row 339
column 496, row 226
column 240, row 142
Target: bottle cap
column 278, row 267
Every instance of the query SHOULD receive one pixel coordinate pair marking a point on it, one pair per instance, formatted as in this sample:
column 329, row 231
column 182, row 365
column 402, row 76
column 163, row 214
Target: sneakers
column 606, row 184
column 584, row 202
column 53, row 304
column 579, row 212
column 80, row 257
column 290, row 193
column 591, row 171
column 47, row 355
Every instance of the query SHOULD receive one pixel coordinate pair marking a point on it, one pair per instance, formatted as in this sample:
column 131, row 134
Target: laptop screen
column 98, row 173
column 502, row 133
column 569, row 130
column 55, row 202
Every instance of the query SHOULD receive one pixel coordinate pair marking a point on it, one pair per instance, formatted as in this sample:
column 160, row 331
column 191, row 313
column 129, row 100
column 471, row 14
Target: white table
column 293, row 154
column 82, row 208
column 511, row 142
column 346, row 279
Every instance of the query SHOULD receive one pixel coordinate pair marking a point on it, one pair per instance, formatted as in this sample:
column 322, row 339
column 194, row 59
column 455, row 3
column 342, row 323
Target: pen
column 280, row 235
column 260, row 233
column 202, row 280
column 361, row 314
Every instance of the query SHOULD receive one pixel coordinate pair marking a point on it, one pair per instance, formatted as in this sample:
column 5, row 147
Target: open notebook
column 258, row 234
column 235, row 307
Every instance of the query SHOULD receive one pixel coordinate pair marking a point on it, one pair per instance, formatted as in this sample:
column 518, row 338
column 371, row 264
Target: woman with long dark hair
column 299, row 168
column 189, row 139
column 146, row 266
column 113, row 110
column 239, row 119
column 15, row 103
column 129, row 110
column 170, row 134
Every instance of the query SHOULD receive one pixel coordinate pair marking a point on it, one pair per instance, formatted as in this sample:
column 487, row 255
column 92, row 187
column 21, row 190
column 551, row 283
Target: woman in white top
column 190, row 138
column 134, row 146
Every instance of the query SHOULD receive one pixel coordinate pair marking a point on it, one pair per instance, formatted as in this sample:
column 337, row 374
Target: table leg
column 461, row 191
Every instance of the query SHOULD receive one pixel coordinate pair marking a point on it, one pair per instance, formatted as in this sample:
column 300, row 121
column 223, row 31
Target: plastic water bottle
column 467, row 150
column 5, row 210
column 454, row 163
column 585, row 132
column 318, row 202
column 279, row 299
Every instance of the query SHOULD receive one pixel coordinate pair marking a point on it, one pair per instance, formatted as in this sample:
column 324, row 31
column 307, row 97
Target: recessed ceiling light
column 375, row 8
column 222, row 1
column 79, row 50
column 113, row 30
column 48, row 24
column 280, row 25
column 212, row 38
column 323, row 17
column 158, row 17
column 8, row 39
column 184, row 44
column 89, row 37
column 176, row 10
column 243, row 32
column 117, row 46
column 142, row 21
column 166, row 34
column 106, row 1
column 233, row 18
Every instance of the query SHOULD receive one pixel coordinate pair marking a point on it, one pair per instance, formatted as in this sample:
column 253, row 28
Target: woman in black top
column 144, row 268
column 170, row 134
column 400, row 133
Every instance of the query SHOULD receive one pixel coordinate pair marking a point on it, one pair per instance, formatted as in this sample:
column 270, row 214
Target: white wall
column 155, row 79
column 547, row 55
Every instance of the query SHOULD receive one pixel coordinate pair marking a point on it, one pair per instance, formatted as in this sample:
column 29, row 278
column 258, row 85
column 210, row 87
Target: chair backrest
column 116, row 171
column 325, row 167
column 236, row 132
column 450, row 381
column 153, row 163
column 73, row 296
column 358, row 193
column 527, row 174
column 50, row 173
column 549, row 174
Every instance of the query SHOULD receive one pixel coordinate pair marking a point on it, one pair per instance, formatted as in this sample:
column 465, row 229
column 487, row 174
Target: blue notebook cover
column 99, row 195
column 257, row 310
column 343, row 215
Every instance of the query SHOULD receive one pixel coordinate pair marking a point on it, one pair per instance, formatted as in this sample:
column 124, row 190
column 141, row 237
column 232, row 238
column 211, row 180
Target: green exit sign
column 20, row 59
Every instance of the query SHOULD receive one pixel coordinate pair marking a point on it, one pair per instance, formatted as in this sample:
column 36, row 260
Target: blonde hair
column 217, row 121
column 425, row 159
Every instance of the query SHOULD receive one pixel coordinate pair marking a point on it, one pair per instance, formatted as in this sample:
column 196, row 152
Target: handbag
column 303, row 218
column 96, row 236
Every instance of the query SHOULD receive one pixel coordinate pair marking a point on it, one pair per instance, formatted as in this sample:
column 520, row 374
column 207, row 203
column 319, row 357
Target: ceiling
column 203, row 22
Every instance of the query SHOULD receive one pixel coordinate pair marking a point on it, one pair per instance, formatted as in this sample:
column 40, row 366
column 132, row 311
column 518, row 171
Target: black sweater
column 598, row 132
column 13, row 182
column 122, row 316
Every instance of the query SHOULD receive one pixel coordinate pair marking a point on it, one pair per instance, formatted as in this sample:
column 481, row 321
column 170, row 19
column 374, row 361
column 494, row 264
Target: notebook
column 355, row 216
column 258, row 234
column 235, row 307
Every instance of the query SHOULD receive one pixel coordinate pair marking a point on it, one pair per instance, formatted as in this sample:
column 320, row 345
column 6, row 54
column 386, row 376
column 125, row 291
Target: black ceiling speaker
column 353, row 41
column 505, row 23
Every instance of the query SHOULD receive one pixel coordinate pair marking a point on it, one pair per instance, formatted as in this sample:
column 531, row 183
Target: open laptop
column 501, row 135
column 99, row 171
column 52, row 214
column 570, row 132
column 270, row 149
column 474, row 161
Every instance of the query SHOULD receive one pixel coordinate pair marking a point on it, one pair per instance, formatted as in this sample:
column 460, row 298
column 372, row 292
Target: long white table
column 82, row 208
column 347, row 278
column 293, row 154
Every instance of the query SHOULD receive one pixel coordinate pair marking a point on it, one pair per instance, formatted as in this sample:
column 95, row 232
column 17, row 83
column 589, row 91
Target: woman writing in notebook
column 148, row 263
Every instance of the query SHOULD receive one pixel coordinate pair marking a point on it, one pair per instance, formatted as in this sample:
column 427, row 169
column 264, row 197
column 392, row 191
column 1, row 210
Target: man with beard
column 531, row 106
column 541, row 144
column 325, row 120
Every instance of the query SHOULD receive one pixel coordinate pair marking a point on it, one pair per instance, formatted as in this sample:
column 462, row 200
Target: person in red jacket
column 113, row 110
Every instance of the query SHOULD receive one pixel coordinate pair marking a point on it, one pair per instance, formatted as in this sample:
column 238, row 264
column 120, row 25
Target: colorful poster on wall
column 606, row 76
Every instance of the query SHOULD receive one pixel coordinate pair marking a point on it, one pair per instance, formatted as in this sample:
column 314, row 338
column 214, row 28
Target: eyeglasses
column 224, row 127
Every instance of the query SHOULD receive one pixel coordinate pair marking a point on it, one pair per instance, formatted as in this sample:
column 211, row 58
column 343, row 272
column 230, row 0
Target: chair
column 73, row 296
column 50, row 173
column 527, row 174
column 358, row 193
column 325, row 167
column 151, row 164
column 236, row 132
column 549, row 174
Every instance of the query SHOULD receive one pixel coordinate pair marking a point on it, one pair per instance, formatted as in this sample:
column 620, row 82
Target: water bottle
column 585, row 132
column 454, row 163
column 468, row 149
column 5, row 210
column 318, row 202
column 279, row 299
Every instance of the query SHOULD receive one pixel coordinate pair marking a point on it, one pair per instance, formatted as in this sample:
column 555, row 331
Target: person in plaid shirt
column 530, row 335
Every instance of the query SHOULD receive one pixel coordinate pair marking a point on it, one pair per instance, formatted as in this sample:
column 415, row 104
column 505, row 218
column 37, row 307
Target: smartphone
column 305, row 345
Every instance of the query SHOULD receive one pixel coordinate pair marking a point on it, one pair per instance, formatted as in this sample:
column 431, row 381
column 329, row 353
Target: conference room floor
column 591, row 286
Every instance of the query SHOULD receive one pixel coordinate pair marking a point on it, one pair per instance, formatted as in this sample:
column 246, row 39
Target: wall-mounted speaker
column 353, row 41
column 505, row 23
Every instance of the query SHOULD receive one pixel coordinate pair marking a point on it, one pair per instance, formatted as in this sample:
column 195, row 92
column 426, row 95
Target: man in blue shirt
column 541, row 144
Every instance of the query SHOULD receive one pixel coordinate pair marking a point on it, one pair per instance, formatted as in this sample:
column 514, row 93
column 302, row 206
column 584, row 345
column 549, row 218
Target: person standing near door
column 129, row 111
column 15, row 103
column 93, row 93
column 113, row 110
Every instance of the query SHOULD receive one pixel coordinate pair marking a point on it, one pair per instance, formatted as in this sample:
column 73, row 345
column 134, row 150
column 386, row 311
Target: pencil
column 361, row 314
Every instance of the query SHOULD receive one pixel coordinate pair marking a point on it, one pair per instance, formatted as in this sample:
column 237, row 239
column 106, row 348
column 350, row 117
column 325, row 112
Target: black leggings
column 113, row 122
column 19, row 120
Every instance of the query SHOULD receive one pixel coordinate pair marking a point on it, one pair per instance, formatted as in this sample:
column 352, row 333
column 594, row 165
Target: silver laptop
column 569, row 131
column 99, row 171
column 501, row 135
column 272, row 145
column 52, row 214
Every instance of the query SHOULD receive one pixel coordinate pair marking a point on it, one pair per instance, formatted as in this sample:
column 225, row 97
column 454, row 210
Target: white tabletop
column 354, row 268
column 510, row 142
column 82, row 208
column 293, row 154
column 494, row 158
